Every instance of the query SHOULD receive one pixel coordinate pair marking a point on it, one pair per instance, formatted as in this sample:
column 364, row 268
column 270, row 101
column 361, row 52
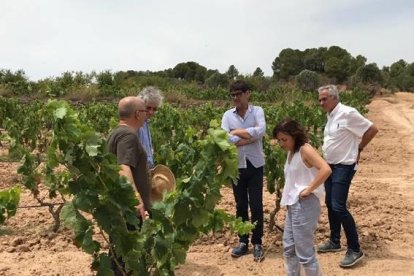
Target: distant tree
column 14, row 82
column 369, row 74
column 180, row 70
column 105, row 78
column 200, row 75
column 313, row 59
column 337, row 63
column 62, row 85
column 397, row 68
column 288, row 63
column 258, row 73
column 190, row 71
column 108, row 83
column 232, row 73
column 396, row 75
column 308, row 80
column 211, row 72
column 217, row 80
column 81, row 78
column 357, row 62
column 407, row 79
column 66, row 79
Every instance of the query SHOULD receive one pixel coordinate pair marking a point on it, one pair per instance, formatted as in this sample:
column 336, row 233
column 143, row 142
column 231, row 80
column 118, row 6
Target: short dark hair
column 294, row 129
column 239, row 85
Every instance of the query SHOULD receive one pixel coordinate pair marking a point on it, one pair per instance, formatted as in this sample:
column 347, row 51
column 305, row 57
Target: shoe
column 351, row 258
column 240, row 250
column 258, row 253
column 329, row 246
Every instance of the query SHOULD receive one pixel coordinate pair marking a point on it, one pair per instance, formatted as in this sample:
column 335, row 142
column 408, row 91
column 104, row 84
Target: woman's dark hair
column 294, row 129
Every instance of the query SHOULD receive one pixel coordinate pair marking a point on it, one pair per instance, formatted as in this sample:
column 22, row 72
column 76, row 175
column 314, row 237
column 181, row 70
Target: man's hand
column 142, row 213
column 243, row 142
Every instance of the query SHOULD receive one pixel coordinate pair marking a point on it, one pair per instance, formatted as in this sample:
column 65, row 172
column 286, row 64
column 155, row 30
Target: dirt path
column 381, row 199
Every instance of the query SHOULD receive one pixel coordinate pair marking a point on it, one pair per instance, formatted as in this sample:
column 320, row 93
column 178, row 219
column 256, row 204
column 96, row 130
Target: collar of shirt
column 335, row 110
column 249, row 109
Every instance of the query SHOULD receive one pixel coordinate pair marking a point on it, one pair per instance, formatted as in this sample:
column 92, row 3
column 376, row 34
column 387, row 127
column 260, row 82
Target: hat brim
column 162, row 180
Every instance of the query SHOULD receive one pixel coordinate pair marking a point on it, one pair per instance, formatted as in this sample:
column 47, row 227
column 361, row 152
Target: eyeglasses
column 236, row 94
column 152, row 108
column 142, row 110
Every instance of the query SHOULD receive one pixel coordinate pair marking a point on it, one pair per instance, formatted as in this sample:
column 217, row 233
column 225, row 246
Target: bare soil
column 381, row 200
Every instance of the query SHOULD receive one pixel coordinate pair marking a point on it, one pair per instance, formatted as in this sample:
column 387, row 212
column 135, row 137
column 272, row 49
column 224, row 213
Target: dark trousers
column 249, row 193
column 337, row 188
column 114, row 267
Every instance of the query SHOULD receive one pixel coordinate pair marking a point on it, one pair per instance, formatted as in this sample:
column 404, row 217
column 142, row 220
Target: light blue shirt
column 254, row 123
column 144, row 136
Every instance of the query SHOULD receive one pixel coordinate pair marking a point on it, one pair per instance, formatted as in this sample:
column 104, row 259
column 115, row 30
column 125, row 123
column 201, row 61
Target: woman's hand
column 304, row 193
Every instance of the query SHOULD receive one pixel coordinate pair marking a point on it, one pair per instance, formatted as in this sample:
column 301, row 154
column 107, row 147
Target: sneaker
column 240, row 250
column 329, row 246
column 258, row 253
column 351, row 258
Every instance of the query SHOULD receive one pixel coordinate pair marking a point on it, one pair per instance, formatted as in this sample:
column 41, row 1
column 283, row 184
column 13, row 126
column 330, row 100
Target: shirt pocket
column 338, row 126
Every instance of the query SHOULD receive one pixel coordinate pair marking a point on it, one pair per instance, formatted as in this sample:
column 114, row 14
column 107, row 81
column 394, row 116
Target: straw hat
column 162, row 180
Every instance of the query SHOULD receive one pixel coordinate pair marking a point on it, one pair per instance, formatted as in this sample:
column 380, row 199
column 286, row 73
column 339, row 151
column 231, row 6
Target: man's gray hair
column 151, row 94
column 332, row 89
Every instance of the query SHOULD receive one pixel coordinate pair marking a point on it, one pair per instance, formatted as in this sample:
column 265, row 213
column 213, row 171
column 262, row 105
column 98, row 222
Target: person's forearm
column 243, row 142
column 241, row 132
column 367, row 137
column 320, row 178
column 126, row 171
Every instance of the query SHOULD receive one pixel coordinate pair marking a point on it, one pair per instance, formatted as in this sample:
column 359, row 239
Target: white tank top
column 297, row 178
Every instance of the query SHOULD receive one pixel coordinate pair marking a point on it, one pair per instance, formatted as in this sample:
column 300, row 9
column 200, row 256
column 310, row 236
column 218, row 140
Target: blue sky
column 48, row 37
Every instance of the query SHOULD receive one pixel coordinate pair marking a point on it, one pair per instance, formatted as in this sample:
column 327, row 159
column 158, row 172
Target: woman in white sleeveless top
column 305, row 171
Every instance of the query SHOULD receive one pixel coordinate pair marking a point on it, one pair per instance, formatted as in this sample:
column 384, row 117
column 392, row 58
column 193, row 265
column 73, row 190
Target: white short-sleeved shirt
column 343, row 130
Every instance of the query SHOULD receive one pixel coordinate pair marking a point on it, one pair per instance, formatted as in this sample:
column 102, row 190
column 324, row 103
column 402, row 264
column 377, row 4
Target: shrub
column 308, row 80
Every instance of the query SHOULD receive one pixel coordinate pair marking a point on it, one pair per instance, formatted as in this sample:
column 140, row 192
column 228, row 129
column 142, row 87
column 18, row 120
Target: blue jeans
column 337, row 188
column 249, row 193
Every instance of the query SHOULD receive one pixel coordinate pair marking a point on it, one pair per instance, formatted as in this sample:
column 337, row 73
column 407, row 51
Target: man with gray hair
column 346, row 134
column 152, row 98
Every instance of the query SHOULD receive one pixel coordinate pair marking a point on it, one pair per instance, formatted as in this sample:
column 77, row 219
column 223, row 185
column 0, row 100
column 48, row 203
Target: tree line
column 305, row 70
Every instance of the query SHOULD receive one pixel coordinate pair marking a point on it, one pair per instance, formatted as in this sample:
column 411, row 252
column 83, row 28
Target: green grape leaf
column 200, row 218
column 9, row 200
column 60, row 113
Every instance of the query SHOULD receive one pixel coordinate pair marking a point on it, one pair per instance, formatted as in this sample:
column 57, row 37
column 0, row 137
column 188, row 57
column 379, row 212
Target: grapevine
column 80, row 170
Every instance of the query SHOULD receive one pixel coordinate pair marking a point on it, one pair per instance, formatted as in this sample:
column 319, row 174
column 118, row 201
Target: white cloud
column 46, row 38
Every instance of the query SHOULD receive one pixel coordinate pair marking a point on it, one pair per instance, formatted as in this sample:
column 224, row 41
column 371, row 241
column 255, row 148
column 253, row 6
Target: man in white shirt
column 346, row 134
column 246, row 125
